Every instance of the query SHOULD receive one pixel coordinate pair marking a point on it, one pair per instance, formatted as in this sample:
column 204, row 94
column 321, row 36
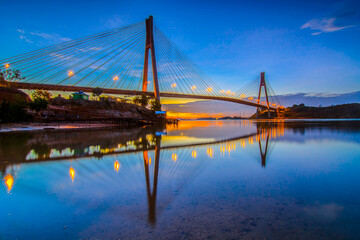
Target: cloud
column 51, row 37
column 324, row 25
column 41, row 37
column 22, row 36
column 342, row 15
column 115, row 21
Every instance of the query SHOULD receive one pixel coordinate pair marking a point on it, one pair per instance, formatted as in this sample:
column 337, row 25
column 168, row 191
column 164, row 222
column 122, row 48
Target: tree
column 38, row 104
column 43, row 94
column 11, row 75
column 40, row 100
column 155, row 105
column 97, row 92
column 141, row 100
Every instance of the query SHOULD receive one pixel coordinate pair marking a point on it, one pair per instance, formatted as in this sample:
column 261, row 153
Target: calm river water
column 197, row 179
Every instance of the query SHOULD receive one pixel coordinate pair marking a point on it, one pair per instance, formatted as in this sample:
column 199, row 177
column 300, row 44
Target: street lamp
column 70, row 74
column 7, row 66
column 115, row 78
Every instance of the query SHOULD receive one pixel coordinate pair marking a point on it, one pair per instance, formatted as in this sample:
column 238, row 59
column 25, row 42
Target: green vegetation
column 13, row 111
column 96, row 92
column 141, row 100
column 10, row 75
column 40, row 100
column 339, row 111
column 155, row 105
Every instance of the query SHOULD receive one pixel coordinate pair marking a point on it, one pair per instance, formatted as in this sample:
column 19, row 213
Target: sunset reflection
column 72, row 174
column 116, row 166
column 9, row 182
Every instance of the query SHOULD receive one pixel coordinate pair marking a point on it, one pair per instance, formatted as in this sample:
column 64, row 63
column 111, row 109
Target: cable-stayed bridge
column 116, row 62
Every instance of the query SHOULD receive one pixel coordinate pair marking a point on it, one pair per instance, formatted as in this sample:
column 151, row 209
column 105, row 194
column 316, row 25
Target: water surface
column 197, row 179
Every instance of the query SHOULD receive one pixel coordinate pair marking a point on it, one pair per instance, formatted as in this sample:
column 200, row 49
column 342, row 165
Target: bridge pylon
column 263, row 84
column 149, row 45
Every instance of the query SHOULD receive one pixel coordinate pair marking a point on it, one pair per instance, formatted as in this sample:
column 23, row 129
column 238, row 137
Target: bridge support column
column 149, row 45
column 263, row 84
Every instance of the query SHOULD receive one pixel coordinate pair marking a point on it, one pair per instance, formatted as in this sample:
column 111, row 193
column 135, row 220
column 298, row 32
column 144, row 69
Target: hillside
column 301, row 111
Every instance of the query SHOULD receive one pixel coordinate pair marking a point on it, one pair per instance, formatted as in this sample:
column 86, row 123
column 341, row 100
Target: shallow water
column 197, row 179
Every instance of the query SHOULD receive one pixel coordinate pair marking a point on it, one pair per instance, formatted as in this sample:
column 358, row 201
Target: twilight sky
column 303, row 46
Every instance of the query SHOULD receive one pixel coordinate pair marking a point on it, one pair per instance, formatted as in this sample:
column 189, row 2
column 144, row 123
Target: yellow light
column 115, row 78
column 72, row 174
column 70, row 73
column 193, row 87
column 242, row 95
column 149, row 161
column 274, row 104
column 250, row 98
column 210, row 152
column 173, row 85
column 148, row 82
column 9, row 182
column 222, row 91
column 228, row 92
column 193, row 154
column 209, row 89
column 174, row 157
column 7, row 66
column 116, row 166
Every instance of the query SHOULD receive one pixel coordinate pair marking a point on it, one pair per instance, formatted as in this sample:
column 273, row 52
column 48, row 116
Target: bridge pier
column 149, row 45
column 263, row 84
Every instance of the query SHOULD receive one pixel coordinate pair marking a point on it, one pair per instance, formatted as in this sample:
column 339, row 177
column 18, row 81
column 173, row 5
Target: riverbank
column 63, row 126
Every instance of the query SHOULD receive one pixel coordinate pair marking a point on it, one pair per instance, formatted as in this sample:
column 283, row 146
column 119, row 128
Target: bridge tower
column 263, row 84
column 149, row 45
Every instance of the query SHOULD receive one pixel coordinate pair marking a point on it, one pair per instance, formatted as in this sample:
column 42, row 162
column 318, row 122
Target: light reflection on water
column 198, row 179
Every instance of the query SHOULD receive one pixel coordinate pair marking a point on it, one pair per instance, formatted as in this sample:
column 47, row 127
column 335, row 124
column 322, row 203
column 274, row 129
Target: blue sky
column 304, row 46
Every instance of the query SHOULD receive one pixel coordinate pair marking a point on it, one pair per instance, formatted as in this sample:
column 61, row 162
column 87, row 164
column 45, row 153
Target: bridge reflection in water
column 187, row 158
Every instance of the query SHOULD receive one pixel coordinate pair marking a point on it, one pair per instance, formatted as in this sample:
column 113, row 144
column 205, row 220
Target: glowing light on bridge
column 70, row 74
column 173, row 85
column 115, row 78
column 9, row 182
column 72, row 174
column 222, row 91
column 193, row 154
column 209, row 89
column 7, row 66
column 250, row 98
column 116, row 166
column 242, row 96
column 174, row 157
column 193, row 87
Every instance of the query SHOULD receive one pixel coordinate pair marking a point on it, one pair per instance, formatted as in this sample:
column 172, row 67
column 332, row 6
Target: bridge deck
column 51, row 87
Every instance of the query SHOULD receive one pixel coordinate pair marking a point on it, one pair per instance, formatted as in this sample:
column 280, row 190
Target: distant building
column 80, row 95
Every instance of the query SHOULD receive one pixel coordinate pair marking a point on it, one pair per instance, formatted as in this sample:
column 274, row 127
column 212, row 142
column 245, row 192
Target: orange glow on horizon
column 186, row 115
column 9, row 182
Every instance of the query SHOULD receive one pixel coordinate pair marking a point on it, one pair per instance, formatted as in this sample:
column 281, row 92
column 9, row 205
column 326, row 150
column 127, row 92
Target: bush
column 141, row 100
column 155, row 105
column 13, row 111
column 38, row 104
